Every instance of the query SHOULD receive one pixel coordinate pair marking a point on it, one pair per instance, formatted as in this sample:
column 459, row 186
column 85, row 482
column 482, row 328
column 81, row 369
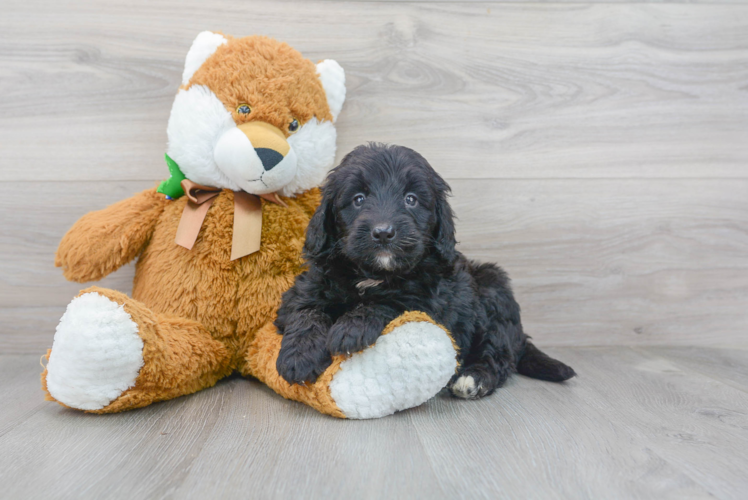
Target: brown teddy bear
column 250, row 137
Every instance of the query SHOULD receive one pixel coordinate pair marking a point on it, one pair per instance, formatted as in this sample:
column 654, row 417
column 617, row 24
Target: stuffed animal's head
column 252, row 114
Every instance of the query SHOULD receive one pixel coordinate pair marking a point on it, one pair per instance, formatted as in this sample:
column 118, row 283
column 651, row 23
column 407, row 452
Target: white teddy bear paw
column 96, row 355
column 403, row 369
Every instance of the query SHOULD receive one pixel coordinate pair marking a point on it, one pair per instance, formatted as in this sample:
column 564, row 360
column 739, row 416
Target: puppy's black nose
column 383, row 233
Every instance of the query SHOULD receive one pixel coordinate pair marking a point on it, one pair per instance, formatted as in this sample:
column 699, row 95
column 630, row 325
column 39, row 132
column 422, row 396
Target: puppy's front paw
column 470, row 385
column 298, row 364
column 351, row 335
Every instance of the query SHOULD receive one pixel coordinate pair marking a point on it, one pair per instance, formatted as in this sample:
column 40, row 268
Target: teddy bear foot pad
column 97, row 353
column 403, row 369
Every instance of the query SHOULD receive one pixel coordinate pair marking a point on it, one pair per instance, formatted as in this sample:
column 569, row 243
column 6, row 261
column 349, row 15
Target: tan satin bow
column 247, row 217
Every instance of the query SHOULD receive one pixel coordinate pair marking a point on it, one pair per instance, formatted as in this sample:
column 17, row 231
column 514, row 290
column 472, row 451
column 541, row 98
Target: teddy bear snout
column 256, row 156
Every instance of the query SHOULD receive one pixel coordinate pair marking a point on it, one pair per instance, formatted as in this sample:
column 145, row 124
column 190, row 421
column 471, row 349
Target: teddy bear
column 251, row 136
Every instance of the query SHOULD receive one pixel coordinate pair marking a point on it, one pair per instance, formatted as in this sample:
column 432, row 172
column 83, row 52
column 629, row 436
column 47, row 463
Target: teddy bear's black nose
column 268, row 157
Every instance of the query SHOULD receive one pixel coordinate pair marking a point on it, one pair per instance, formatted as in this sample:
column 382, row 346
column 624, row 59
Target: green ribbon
column 172, row 187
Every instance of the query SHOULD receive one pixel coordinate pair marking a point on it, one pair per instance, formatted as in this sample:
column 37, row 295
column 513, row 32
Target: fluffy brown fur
column 100, row 242
column 180, row 356
column 296, row 92
column 197, row 311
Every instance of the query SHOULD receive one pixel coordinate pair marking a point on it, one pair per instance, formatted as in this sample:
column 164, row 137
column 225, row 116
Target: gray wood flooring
column 598, row 151
column 638, row 422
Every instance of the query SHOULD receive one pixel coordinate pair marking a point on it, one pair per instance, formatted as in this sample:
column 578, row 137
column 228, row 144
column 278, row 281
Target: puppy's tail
column 536, row 364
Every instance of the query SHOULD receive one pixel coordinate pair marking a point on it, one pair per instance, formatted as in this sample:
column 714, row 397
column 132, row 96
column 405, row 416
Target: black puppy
column 381, row 243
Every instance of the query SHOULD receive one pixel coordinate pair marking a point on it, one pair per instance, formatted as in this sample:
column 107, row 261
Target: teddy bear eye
column 243, row 109
column 411, row 200
column 358, row 200
column 294, row 126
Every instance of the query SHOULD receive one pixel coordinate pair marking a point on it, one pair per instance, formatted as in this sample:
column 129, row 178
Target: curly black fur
column 384, row 217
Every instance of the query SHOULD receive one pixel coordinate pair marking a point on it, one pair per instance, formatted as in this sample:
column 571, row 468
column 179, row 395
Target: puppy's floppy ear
column 444, row 230
column 321, row 233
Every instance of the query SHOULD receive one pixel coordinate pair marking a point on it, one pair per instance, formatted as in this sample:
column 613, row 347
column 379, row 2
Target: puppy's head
column 384, row 208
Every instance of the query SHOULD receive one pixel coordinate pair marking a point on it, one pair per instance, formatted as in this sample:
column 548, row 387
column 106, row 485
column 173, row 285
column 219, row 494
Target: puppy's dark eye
column 358, row 200
column 294, row 126
column 411, row 200
column 243, row 109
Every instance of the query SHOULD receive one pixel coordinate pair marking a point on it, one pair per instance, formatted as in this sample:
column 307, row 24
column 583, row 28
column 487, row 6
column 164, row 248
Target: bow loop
column 197, row 193
column 247, row 217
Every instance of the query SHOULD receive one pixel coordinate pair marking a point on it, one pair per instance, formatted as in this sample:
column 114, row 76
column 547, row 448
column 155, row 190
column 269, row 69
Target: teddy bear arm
column 101, row 242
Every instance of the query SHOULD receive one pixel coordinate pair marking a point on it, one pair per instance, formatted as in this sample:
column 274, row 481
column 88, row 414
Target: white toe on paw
column 96, row 355
column 403, row 369
column 464, row 387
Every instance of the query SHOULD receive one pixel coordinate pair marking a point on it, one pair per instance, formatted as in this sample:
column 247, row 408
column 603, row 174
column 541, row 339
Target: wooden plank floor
column 663, row 422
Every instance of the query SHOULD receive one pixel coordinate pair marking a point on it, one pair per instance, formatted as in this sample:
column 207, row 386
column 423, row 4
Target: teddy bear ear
column 333, row 81
column 204, row 45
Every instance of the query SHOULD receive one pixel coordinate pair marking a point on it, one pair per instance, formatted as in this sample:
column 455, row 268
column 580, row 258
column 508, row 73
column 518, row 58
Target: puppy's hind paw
column 473, row 383
column 465, row 387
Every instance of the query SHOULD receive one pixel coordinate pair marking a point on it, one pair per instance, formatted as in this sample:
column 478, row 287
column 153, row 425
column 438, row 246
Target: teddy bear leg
column 111, row 353
column 408, row 365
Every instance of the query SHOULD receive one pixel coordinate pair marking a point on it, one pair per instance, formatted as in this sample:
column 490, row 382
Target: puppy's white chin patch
column 386, row 261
